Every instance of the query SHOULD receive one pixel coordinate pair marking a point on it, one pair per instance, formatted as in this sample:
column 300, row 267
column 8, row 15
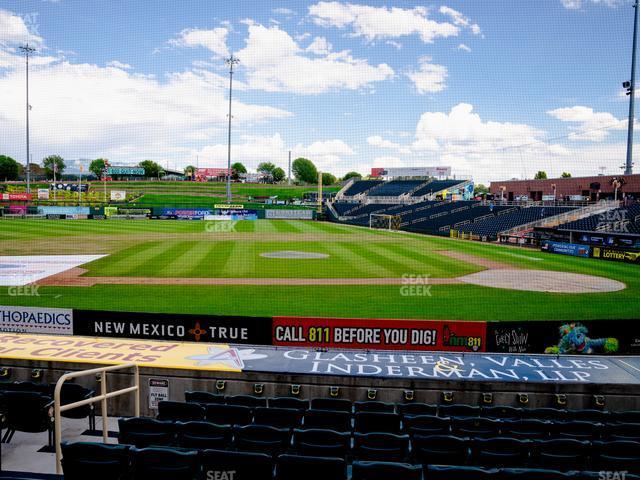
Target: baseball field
column 282, row 267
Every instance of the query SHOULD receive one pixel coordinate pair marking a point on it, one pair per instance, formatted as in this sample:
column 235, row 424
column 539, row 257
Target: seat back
column 364, row 470
column 244, row 465
column 294, row 467
column 164, row 464
column 96, row 461
column 180, row 411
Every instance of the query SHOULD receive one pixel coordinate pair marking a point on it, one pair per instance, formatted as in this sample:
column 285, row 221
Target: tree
column 97, row 167
column 328, row 179
column 351, row 175
column 565, row 175
column 480, row 189
column 278, row 175
column 304, row 170
column 237, row 169
column 541, row 175
column 266, row 167
column 190, row 172
column 8, row 168
column 51, row 162
column 151, row 168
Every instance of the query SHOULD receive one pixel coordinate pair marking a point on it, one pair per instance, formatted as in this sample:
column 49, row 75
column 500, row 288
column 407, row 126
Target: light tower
column 631, row 86
column 231, row 61
column 27, row 50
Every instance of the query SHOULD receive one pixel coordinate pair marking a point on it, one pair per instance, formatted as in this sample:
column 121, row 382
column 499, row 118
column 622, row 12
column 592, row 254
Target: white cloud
column 577, row 4
column 284, row 11
column 319, row 46
column 274, row 62
column 327, row 155
column 464, row 47
column 460, row 20
column 429, row 78
column 378, row 141
column 120, row 65
column 589, row 125
column 214, row 40
column 85, row 111
column 374, row 23
column 14, row 30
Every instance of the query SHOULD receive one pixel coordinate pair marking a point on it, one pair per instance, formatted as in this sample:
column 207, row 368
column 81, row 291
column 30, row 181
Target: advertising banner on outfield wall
column 379, row 334
column 574, row 249
column 593, row 337
column 173, row 327
column 185, row 213
column 616, row 254
column 283, row 214
column 58, row 321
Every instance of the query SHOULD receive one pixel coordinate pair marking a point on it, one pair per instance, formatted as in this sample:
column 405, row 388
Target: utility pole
column 231, row 61
column 289, row 176
column 631, row 86
column 27, row 50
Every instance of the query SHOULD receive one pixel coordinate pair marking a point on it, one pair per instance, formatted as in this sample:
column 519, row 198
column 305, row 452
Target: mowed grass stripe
column 434, row 264
column 152, row 265
column 115, row 264
column 285, row 226
column 211, row 264
column 182, row 265
column 245, row 226
column 412, row 264
column 380, row 262
column 240, row 262
column 368, row 264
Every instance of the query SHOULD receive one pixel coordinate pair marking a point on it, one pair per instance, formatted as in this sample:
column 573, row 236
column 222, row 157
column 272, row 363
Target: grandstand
column 395, row 188
column 623, row 219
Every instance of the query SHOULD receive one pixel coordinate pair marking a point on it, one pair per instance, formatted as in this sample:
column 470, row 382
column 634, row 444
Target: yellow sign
column 92, row 350
column 225, row 205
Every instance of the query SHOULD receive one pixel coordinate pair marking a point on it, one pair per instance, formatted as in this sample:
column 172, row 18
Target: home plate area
column 17, row 271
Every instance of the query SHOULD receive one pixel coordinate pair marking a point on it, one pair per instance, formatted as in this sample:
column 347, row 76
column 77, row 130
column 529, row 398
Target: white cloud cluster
column 429, row 78
column 319, row 46
column 14, row 30
column 327, row 155
column 214, row 39
column 375, row 23
column 577, row 4
column 460, row 20
column 274, row 62
column 588, row 124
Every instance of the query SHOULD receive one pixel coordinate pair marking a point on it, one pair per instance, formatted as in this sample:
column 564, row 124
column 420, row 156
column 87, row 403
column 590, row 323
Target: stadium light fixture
column 27, row 50
column 231, row 61
column 631, row 86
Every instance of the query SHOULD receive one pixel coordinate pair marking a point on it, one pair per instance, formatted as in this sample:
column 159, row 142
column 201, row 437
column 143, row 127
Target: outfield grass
column 187, row 249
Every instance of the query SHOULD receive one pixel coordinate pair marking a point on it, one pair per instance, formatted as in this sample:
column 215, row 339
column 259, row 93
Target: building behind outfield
column 591, row 188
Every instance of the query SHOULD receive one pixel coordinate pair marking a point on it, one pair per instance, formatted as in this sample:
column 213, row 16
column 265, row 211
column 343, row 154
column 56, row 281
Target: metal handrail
column 103, row 397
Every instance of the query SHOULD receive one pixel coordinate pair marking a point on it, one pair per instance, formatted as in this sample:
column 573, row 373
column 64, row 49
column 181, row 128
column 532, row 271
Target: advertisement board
column 118, row 195
column 55, row 210
column 18, row 197
column 573, row 249
column 57, row 321
column 411, row 172
column 232, row 214
column 139, row 171
column 223, row 205
column 70, row 187
column 379, row 334
column 174, row 327
column 616, row 254
column 43, row 194
column 185, row 213
column 285, row 214
column 592, row 337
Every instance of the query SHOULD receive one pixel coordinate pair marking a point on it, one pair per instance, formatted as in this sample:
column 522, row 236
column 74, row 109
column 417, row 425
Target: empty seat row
column 421, row 446
column 97, row 461
column 416, row 408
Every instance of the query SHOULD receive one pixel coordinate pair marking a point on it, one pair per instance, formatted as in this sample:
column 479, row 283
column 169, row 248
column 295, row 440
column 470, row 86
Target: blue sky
column 483, row 86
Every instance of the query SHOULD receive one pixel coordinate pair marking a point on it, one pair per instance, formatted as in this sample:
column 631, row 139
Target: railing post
column 103, row 392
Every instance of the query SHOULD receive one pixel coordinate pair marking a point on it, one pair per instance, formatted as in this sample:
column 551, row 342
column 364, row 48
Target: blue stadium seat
column 245, row 465
column 440, row 449
column 145, row 432
column 294, row 467
column 381, row 446
column 618, row 455
column 289, row 402
column 578, row 429
column 366, row 470
column 228, row 414
column 427, row 425
column 261, row 438
column 475, row 427
column 203, row 435
column 502, row 412
column 371, row 406
column 95, row 461
column 544, row 413
column 455, row 472
column 321, row 443
column 526, row 429
column 458, row 410
column 179, row 411
column 500, row 452
column 560, row 454
column 335, row 404
column 203, row 397
column 417, row 409
column 622, row 431
column 246, row 401
column 327, row 419
column 534, row 474
column 26, row 411
column 164, row 464
column 367, row 422
column 278, row 417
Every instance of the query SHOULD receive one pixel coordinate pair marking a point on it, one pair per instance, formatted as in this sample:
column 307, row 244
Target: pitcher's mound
column 543, row 281
column 293, row 255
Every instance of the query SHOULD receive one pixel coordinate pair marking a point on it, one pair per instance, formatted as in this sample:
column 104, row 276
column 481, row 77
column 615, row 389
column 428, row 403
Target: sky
column 496, row 89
